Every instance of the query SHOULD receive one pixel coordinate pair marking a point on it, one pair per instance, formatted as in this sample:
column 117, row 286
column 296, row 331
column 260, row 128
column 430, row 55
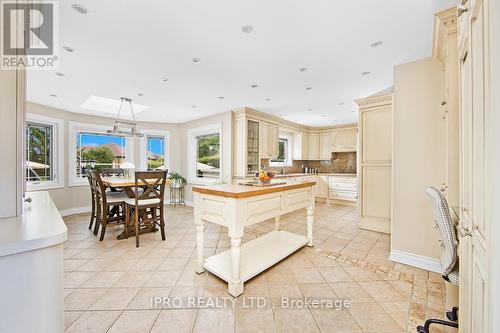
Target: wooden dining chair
column 112, row 172
column 92, row 199
column 110, row 208
column 147, row 207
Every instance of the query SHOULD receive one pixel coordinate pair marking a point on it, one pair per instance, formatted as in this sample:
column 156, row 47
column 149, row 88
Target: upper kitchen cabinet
column 300, row 146
column 313, row 147
column 246, row 140
column 269, row 140
column 326, row 145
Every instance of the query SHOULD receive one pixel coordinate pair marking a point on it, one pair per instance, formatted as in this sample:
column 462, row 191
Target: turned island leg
column 277, row 224
column 235, row 287
column 310, row 219
column 200, row 246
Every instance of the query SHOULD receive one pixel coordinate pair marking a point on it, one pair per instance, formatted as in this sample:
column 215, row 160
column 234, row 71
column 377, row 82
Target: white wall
column 416, row 155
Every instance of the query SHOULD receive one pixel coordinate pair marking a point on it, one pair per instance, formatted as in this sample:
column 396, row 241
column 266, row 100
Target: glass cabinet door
column 252, row 146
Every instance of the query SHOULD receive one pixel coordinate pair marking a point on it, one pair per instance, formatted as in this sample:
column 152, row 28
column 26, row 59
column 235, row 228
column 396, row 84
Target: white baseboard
column 416, row 260
column 75, row 210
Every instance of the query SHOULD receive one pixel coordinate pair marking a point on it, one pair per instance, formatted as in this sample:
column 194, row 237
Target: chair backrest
column 152, row 183
column 99, row 186
column 444, row 222
column 89, row 179
column 112, row 172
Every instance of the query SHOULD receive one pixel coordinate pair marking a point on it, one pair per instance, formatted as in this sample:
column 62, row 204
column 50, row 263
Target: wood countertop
column 243, row 191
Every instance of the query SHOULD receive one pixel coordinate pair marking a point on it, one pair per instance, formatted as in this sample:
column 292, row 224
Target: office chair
column 449, row 256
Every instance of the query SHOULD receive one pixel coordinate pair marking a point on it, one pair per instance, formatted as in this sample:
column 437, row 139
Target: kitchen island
column 235, row 207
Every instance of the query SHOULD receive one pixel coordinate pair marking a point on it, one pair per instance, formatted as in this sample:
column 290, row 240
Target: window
column 155, row 150
column 92, row 149
column 43, row 153
column 284, row 152
column 205, row 154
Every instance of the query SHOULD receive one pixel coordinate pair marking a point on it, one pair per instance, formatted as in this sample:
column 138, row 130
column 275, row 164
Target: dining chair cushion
column 112, row 197
column 143, row 202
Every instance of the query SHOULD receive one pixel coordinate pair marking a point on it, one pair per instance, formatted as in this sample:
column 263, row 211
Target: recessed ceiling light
column 308, row 88
column 53, row 95
column 140, row 94
column 247, row 28
column 164, row 79
column 254, row 85
column 68, row 49
column 268, row 99
column 79, row 9
column 309, row 109
column 59, row 74
column 280, row 114
column 196, row 60
column 353, row 111
column 303, row 69
column 341, row 103
column 194, row 106
column 365, row 73
column 323, row 115
column 221, row 97
column 377, row 44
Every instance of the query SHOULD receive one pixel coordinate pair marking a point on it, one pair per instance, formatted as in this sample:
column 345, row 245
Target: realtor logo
column 29, row 37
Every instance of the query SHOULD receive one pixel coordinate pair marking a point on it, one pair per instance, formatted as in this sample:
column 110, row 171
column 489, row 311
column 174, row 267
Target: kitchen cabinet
column 342, row 187
column 326, row 145
column 268, row 140
column 253, row 161
column 375, row 163
column 322, row 187
column 246, row 145
column 345, row 140
column 300, row 146
column 313, row 151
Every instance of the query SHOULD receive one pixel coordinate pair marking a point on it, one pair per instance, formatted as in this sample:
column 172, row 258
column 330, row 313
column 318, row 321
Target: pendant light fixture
column 123, row 127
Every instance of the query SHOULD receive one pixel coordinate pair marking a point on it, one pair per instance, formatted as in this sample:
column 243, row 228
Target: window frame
column 76, row 127
column 143, row 147
column 288, row 152
column 192, row 133
column 57, row 152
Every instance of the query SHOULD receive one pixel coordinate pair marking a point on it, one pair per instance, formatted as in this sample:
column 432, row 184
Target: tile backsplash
column 339, row 163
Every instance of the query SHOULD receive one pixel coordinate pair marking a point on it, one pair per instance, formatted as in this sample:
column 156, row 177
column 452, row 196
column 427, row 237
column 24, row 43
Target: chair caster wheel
column 421, row 329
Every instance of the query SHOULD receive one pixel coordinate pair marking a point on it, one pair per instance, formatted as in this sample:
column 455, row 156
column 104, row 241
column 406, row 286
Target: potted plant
column 177, row 179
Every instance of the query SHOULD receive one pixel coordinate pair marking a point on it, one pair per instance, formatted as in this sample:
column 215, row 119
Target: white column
column 277, row 225
column 235, row 287
column 310, row 217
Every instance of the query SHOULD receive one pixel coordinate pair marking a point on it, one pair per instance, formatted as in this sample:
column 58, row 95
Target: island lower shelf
column 256, row 255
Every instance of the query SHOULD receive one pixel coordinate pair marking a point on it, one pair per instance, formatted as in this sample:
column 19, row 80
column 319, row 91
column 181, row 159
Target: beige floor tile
column 215, row 320
column 102, row 280
column 134, row 321
column 72, row 264
column 189, row 278
column 335, row 274
column 175, row 321
column 371, row 317
column 317, row 290
column 351, row 291
column 382, row 291
column 70, row 317
column 307, row 275
column 145, row 298
column 94, row 321
column 295, row 321
column 133, row 280
column 279, row 276
column 173, row 264
column 82, row 299
column 115, row 299
column 359, row 274
column 398, row 311
column 332, row 320
column 76, row 279
column 163, row 279
column 255, row 321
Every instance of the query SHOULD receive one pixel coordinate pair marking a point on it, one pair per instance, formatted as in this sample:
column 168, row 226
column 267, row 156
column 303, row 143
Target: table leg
column 235, row 287
column 200, row 246
column 310, row 219
column 277, row 225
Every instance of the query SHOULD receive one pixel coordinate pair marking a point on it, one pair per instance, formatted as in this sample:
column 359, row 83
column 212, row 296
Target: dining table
column 127, row 184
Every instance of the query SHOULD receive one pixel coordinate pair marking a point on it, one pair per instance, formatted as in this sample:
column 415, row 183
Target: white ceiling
column 123, row 48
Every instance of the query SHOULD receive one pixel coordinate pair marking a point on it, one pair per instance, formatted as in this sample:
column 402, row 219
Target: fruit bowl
column 265, row 176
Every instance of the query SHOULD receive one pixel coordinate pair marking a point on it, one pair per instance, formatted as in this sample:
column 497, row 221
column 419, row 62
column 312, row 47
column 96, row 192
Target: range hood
column 345, row 141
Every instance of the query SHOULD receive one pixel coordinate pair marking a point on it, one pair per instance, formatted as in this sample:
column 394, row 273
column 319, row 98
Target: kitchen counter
column 287, row 175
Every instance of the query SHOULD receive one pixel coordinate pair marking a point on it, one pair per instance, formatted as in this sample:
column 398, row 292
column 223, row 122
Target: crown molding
column 445, row 24
column 374, row 101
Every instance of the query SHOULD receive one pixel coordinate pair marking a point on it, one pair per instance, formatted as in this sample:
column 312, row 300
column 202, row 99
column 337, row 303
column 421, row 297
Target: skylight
column 109, row 105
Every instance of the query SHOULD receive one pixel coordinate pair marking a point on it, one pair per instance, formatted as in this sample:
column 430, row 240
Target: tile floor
column 109, row 285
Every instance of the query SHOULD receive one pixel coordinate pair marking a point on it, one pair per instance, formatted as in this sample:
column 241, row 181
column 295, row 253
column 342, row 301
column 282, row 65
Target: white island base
column 236, row 206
